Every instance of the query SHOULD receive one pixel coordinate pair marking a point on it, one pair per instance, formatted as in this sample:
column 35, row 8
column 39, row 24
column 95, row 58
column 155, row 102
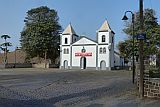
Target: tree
column 152, row 30
column 150, row 21
column 40, row 36
column 4, row 46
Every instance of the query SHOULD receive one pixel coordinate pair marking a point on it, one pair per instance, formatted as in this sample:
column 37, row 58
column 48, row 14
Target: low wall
column 27, row 65
column 152, row 87
column 17, row 65
column 42, row 65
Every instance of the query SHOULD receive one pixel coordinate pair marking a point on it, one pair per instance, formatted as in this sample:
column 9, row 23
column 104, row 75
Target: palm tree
column 5, row 45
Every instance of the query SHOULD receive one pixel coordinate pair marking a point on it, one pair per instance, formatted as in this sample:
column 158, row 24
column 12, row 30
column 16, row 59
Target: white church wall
column 103, row 56
column 65, row 56
column 90, row 60
column 100, row 34
column 68, row 39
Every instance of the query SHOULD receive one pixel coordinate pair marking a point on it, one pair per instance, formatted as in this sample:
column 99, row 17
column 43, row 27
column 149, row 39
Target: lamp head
column 125, row 17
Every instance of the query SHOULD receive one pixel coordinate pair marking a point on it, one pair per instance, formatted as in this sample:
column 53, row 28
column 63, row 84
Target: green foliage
column 150, row 21
column 41, row 33
column 153, row 35
column 4, row 46
column 152, row 30
column 154, row 72
column 125, row 48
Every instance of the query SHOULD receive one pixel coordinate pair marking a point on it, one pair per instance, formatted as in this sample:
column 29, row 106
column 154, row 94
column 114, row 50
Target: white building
column 83, row 53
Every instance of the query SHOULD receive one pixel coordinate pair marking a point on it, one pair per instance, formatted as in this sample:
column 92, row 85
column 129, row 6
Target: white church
column 81, row 52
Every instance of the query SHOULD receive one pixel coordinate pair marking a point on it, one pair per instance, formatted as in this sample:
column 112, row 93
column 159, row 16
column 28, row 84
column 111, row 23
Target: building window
column 64, row 51
column 67, row 51
column 100, row 50
column 112, row 39
column 66, row 41
column 103, row 38
column 104, row 50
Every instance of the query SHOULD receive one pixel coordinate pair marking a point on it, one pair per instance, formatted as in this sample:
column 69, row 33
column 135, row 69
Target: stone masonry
column 152, row 88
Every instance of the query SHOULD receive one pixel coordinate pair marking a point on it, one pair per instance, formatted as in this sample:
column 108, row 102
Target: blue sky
column 86, row 16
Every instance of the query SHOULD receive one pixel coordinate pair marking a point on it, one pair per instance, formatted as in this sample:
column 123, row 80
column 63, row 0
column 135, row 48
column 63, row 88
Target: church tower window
column 104, row 50
column 64, row 51
column 67, row 51
column 100, row 50
column 103, row 38
column 66, row 41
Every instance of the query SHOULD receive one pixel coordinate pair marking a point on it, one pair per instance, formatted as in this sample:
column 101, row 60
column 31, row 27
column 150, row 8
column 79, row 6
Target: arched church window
column 67, row 51
column 104, row 50
column 64, row 51
column 103, row 38
column 100, row 50
column 66, row 41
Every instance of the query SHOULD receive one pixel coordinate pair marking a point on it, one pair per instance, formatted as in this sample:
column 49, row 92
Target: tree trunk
column 5, row 53
column 45, row 59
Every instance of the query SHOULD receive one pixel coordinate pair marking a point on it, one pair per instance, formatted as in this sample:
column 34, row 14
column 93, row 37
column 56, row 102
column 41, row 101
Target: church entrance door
column 103, row 65
column 83, row 63
column 65, row 64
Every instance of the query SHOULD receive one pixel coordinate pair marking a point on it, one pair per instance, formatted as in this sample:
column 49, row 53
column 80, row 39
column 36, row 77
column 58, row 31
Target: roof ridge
column 86, row 38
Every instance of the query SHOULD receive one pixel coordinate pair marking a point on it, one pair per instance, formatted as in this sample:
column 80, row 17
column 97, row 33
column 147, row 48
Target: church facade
column 81, row 52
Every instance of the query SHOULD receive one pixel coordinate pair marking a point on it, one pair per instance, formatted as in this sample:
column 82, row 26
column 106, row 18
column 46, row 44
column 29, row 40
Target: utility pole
column 141, row 84
column 133, row 64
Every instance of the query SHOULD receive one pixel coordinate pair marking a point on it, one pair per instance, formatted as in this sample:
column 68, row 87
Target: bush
column 154, row 73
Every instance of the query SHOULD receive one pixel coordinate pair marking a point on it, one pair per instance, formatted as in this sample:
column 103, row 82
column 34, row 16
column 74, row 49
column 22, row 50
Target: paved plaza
column 69, row 88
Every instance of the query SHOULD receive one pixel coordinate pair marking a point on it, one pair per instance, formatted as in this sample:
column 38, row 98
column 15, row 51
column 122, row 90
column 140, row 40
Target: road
column 72, row 88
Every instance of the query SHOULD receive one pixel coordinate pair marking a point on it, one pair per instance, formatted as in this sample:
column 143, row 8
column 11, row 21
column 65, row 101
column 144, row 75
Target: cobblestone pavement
column 56, row 88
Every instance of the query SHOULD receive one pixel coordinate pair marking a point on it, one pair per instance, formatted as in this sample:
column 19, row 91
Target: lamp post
column 133, row 61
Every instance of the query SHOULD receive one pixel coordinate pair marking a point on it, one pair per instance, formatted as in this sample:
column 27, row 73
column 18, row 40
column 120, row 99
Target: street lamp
column 133, row 61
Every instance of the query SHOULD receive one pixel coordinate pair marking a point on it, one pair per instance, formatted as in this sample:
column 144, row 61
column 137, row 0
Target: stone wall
column 17, row 65
column 42, row 65
column 152, row 87
column 28, row 65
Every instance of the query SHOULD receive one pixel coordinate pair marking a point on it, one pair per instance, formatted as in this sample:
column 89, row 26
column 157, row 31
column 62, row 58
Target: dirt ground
column 69, row 88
